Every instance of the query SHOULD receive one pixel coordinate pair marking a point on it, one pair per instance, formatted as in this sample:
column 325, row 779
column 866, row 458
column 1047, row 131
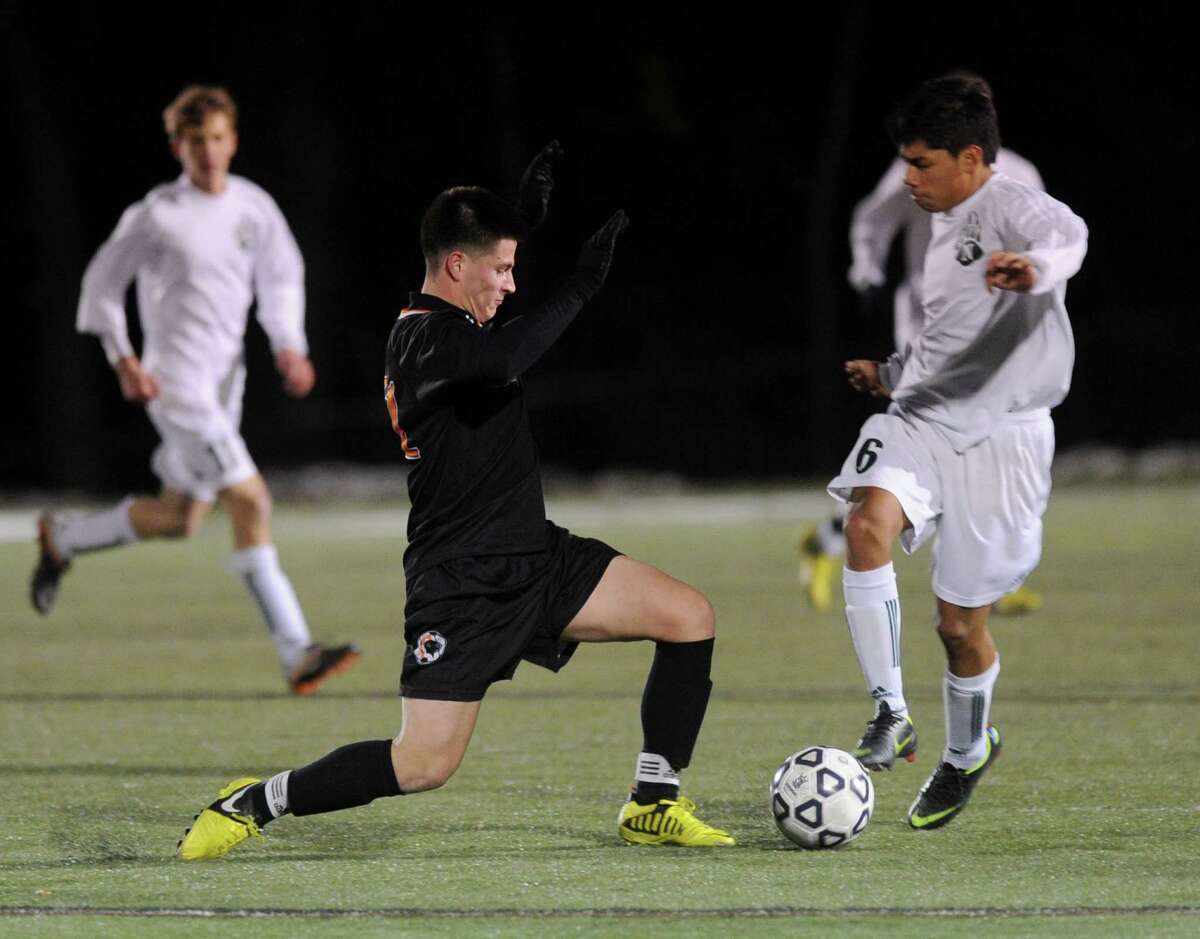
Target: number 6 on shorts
column 868, row 453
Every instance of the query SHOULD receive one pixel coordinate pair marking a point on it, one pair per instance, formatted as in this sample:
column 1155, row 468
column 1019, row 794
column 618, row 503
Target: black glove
column 537, row 183
column 597, row 253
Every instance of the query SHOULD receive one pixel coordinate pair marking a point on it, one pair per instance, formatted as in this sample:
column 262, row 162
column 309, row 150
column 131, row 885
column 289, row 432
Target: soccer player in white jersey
column 964, row 450
column 201, row 248
column 885, row 213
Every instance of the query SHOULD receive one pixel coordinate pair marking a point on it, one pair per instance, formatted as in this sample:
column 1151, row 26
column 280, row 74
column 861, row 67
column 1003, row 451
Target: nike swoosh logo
column 228, row 806
column 920, row 821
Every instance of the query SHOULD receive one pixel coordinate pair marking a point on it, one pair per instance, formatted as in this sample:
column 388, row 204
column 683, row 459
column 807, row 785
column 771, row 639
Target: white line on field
column 737, row 508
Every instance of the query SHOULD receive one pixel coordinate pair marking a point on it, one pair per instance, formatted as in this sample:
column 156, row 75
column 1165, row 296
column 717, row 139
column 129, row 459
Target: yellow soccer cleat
column 818, row 571
column 1021, row 600
column 221, row 827
column 669, row 821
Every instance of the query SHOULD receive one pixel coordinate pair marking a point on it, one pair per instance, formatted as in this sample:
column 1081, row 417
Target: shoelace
column 879, row 725
column 946, row 781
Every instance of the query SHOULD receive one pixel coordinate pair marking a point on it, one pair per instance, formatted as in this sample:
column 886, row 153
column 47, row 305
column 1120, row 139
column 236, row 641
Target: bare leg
column 256, row 561
column 636, row 601
column 170, row 514
column 970, row 648
column 972, row 667
column 249, row 505
column 873, row 524
column 432, row 742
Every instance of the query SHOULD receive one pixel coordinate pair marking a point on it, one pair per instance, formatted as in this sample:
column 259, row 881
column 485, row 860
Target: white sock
column 873, row 615
column 108, row 529
column 830, row 537
column 272, row 591
column 277, row 794
column 653, row 768
column 967, row 703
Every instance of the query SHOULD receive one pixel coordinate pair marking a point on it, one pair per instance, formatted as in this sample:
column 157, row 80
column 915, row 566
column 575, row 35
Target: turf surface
column 151, row 686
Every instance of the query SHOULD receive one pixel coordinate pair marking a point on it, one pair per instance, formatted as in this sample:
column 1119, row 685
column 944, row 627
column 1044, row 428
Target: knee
column 422, row 772
column 694, row 619
column 954, row 632
column 250, row 504
column 181, row 521
column 867, row 536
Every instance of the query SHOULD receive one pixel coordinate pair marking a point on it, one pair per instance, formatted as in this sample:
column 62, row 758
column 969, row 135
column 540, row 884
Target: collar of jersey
column 424, row 303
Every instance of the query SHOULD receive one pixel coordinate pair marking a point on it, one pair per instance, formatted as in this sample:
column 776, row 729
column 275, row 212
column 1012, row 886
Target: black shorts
column 470, row 621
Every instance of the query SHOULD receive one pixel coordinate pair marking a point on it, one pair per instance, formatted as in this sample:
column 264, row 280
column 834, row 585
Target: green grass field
column 152, row 685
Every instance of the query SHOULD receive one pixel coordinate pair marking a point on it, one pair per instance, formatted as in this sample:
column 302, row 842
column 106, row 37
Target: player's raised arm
column 510, row 350
column 537, row 183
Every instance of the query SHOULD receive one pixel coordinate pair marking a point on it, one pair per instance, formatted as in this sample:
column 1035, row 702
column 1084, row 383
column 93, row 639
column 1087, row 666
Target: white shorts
column 985, row 505
column 202, row 451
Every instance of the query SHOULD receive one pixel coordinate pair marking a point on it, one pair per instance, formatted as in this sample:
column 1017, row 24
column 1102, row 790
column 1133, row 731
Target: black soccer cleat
column 43, row 586
column 889, row 735
column 947, row 791
column 319, row 663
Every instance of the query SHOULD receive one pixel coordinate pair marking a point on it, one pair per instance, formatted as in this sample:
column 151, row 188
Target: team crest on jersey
column 246, row 233
column 429, row 648
column 969, row 250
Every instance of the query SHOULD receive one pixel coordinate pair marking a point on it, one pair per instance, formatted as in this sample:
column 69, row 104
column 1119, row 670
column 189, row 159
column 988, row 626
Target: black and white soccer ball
column 822, row 797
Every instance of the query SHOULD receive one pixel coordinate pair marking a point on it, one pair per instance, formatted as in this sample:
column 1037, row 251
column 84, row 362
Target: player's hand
column 863, row 375
column 1008, row 270
column 597, row 254
column 862, row 277
column 537, row 183
column 298, row 373
column 137, row 385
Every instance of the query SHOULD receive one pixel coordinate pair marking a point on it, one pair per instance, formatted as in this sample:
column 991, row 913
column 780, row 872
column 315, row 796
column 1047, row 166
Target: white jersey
column 199, row 259
column 985, row 357
column 889, row 209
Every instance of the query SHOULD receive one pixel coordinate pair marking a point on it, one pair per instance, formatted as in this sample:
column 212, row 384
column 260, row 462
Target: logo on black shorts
column 429, row 648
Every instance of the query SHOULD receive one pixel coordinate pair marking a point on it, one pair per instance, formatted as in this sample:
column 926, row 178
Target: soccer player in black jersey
column 489, row 580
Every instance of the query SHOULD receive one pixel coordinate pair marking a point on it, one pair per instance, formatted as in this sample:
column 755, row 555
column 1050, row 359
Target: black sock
column 349, row 776
column 647, row 793
column 673, row 706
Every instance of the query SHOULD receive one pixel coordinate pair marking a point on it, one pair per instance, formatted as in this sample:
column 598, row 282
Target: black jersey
column 475, row 486
column 453, row 390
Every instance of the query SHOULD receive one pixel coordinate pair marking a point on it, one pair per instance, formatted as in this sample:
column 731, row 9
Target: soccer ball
column 822, row 797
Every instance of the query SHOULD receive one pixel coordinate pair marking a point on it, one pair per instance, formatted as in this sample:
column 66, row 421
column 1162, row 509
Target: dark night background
column 738, row 147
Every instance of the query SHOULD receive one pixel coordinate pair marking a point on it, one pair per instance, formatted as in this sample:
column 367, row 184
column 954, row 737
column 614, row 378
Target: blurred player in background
column 886, row 212
column 965, row 448
column 201, row 248
column 490, row 582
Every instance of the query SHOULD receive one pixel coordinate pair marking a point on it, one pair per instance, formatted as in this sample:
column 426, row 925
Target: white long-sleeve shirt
column 199, row 259
column 985, row 357
column 889, row 209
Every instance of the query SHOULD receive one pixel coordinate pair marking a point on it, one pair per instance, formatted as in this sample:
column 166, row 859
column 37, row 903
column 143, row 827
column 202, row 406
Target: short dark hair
column 949, row 113
column 192, row 105
column 467, row 218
